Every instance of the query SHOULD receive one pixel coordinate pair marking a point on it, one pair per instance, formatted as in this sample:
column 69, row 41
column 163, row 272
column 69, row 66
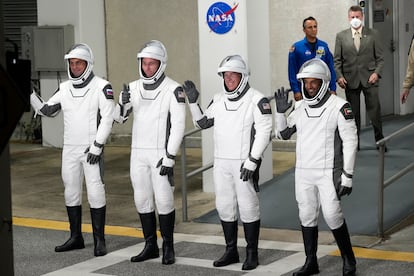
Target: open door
column 380, row 15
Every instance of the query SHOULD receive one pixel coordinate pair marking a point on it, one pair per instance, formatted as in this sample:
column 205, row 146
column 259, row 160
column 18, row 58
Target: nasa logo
column 220, row 17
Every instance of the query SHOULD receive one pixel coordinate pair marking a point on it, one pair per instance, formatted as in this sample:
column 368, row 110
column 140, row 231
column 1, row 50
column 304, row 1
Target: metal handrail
column 185, row 175
column 385, row 183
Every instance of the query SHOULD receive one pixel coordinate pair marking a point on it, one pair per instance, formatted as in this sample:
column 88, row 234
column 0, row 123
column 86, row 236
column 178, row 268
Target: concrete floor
column 37, row 192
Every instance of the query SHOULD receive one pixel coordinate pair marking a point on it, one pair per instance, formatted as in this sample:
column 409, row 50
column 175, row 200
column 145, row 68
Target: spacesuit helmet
column 234, row 63
column 314, row 68
column 156, row 50
column 84, row 52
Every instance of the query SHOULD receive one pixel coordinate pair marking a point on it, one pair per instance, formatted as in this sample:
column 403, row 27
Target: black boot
column 167, row 232
column 344, row 243
column 251, row 233
column 310, row 241
column 231, row 255
column 151, row 250
column 98, row 227
column 76, row 240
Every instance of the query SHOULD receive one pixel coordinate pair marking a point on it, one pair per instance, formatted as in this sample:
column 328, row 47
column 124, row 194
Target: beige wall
column 131, row 23
column 286, row 28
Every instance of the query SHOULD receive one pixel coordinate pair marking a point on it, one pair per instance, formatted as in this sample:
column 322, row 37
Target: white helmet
column 156, row 50
column 84, row 52
column 234, row 63
column 314, row 68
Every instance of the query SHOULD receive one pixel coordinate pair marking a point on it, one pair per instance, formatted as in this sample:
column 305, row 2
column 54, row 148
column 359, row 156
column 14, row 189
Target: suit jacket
column 357, row 67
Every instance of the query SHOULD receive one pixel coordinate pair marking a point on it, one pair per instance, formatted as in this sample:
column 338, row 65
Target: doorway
column 380, row 15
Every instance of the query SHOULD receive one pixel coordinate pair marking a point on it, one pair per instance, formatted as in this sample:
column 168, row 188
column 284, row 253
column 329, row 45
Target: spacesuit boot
column 344, row 243
column 98, row 227
column 167, row 232
column 310, row 241
column 76, row 240
column 251, row 233
column 231, row 255
column 151, row 250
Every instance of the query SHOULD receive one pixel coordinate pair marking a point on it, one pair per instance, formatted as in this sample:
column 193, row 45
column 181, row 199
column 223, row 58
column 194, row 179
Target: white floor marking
column 278, row 267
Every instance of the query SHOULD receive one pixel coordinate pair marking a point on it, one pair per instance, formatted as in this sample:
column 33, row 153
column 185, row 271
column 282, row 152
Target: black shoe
column 98, row 226
column 151, row 250
column 231, row 255
column 71, row 244
column 167, row 232
column 75, row 221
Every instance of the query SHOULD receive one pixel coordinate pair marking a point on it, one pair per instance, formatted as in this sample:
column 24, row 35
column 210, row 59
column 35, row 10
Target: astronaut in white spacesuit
column 158, row 105
column 87, row 104
column 326, row 147
column 242, row 120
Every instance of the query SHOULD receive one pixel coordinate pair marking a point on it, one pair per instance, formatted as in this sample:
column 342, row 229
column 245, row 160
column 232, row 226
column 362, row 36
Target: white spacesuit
column 158, row 105
column 242, row 123
column 326, row 143
column 87, row 104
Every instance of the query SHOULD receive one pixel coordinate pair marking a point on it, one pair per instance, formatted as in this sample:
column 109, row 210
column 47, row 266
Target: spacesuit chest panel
column 315, row 137
column 233, row 121
column 80, row 110
column 151, row 109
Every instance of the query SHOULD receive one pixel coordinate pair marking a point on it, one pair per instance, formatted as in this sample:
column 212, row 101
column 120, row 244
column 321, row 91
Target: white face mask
column 355, row 23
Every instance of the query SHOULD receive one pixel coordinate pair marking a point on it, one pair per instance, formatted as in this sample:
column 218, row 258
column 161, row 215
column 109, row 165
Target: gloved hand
column 281, row 97
column 346, row 186
column 167, row 165
column 94, row 153
column 125, row 96
column 191, row 91
column 247, row 168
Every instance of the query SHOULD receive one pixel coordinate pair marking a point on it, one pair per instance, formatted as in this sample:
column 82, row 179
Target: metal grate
column 16, row 14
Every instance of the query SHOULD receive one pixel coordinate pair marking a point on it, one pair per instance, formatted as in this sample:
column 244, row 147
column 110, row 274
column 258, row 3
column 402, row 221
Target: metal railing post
column 382, row 183
column 381, row 193
column 185, row 175
column 184, row 180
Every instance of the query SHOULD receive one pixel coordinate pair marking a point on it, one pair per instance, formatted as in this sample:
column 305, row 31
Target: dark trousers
column 372, row 105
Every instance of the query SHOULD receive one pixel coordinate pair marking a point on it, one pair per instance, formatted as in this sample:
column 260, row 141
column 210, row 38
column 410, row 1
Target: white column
column 248, row 37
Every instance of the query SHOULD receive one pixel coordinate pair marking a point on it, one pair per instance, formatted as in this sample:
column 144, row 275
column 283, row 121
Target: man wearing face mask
column 358, row 61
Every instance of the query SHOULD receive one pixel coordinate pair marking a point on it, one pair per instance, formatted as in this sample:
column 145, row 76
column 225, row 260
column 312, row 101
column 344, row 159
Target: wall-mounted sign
column 220, row 17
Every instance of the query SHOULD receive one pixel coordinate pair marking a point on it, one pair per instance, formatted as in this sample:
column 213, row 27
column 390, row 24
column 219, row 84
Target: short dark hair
column 355, row 8
column 306, row 19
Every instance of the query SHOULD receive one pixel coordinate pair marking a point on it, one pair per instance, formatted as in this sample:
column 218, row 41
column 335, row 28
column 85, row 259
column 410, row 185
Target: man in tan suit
column 409, row 77
column 358, row 61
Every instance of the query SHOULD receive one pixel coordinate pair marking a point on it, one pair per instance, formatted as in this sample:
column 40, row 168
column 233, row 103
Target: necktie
column 357, row 40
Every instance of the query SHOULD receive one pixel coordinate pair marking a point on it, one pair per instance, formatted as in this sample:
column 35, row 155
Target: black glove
column 125, row 95
column 281, row 97
column 94, row 153
column 167, row 165
column 191, row 91
column 343, row 190
column 247, row 168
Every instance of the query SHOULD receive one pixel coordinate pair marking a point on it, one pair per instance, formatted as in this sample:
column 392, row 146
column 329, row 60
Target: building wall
column 87, row 17
column 286, row 28
column 116, row 30
column 130, row 23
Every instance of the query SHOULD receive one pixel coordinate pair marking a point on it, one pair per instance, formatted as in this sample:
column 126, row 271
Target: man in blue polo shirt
column 306, row 49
